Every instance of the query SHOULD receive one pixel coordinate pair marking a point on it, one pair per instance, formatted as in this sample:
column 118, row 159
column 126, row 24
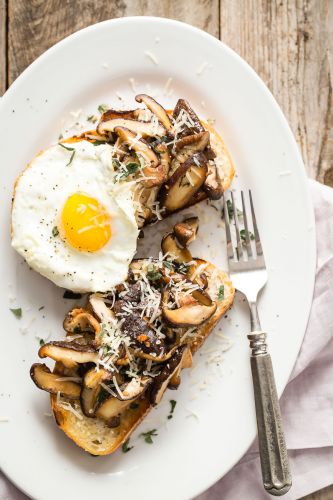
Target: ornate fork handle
column 272, row 446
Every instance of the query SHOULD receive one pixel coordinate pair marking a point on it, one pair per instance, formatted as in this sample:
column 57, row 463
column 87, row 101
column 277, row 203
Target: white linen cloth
column 307, row 401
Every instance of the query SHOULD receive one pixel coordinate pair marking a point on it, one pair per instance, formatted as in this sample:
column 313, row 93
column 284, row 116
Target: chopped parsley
column 134, row 406
column 65, row 147
column 148, row 436
column 168, row 264
column 98, row 143
column 230, row 209
column 41, row 308
column 131, row 168
column 92, row 118
column 68, row 149
column 221, row 293
column 183, row 268
column 41, row 341
column 242, row 235
column 55, row 231
column 102, row 108
column 71, row 158
column 173, row 405
column 153, row 274
column 17, row 312
column 60, row 137
column 125, row 448
column 68, row 294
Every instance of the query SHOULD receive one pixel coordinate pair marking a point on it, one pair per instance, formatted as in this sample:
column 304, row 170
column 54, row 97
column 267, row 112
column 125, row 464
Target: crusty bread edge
column 65, row 419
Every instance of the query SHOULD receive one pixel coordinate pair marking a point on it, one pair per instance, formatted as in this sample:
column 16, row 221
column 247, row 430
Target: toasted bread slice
column 92, row 434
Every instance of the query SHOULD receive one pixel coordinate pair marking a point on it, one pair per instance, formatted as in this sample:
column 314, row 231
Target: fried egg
column 71, row 222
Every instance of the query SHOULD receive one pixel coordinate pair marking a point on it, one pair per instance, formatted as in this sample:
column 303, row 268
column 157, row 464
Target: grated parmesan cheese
column 151, row 56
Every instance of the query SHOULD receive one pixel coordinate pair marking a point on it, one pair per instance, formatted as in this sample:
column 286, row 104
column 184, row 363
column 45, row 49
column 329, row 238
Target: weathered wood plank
column 3, row 46
column 287, row 43
column 324, row 494
column 36, row 26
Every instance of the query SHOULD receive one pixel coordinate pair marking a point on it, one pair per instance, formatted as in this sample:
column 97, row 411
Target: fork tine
column 230, row 250
column 255, row 227
column 246, row 229
column 238, row 238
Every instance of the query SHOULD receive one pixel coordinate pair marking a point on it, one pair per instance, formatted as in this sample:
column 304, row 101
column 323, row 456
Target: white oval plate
column 214, row 420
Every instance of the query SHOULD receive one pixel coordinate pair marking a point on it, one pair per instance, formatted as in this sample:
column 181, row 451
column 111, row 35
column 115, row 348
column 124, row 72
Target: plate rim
column 282, row 120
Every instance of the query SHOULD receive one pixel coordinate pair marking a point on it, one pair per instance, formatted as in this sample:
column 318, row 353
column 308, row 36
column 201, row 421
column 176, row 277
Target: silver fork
column 248, row 273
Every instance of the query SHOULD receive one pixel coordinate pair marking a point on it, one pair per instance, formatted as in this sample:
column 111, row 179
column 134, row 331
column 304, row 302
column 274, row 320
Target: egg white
column 40, row 194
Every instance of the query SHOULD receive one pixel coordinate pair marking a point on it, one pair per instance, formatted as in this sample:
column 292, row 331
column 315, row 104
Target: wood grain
column 324, row 494
column 3, row 46
column 33, row 30
column 287, row 43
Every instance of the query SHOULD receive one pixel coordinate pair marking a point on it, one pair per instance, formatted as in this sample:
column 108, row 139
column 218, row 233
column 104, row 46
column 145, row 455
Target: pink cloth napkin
column 307, row 402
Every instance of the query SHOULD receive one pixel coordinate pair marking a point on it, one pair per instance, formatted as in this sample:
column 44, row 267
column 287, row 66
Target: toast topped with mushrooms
column 127, row 346
column 175, row 159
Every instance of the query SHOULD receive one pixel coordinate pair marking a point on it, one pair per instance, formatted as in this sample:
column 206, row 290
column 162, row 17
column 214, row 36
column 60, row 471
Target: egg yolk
column 85, row 224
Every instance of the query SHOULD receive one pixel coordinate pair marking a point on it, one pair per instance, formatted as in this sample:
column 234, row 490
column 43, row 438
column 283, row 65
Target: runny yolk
column 85, row 224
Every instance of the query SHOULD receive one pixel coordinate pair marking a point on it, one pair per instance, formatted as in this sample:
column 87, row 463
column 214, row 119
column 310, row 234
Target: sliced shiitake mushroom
column 184, row 183
column 186, row 362
column 78, row 320
column 170, row 247
column 186, row 231
column 156, row 176
column 54, row 383
column 91, row 388
column 100, row 309
column 183, row 105
column 162, row 380
column 195, row 126
column 187, row 315
column 156, row 109
column 111, row 407
column 140, row 146
column 69, row 353
column 136, row 387
column 192, row 143
column 213, row 185
column 165, row 158
column 145, row 129
column 110, row 114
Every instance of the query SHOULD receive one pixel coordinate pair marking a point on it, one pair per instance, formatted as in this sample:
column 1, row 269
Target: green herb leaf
column 153, row 274
column 173, row 405
column 131, row 168
column 242, row 235
column 92, row 118
column 102, row 108
column 230, row 209
column 134, row 406
column 168, row 264
column 183, row 268
column 98, row 143
column 17, row 312
column 71, row 158
column 148, row 436
column 125, row 448
column 41, row 341
column 55, row 231
column 60, row 137
column 65, row 147
column 221, row 293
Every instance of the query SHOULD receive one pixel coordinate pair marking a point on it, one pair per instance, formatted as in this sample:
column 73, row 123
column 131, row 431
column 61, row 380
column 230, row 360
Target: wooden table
column 288, row 42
